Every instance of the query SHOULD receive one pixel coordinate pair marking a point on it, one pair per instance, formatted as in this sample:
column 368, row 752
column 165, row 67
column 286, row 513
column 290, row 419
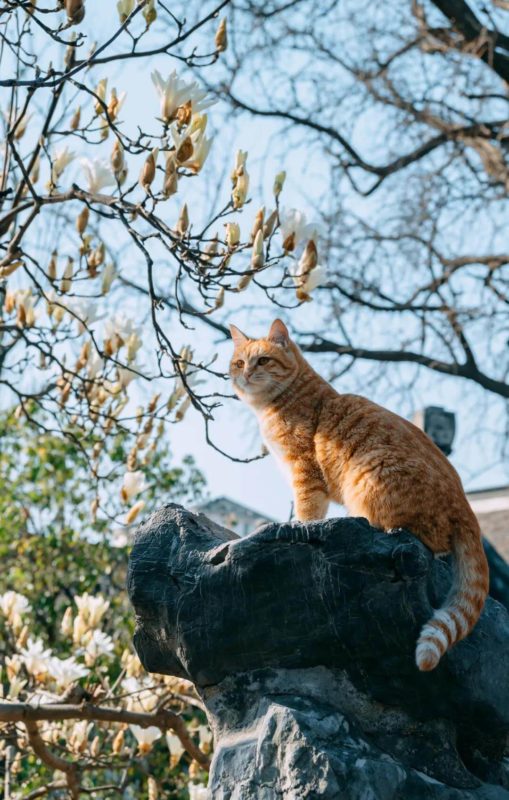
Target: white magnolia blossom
column 145, row 736
column 60, row 160
column 14, row 605
column 98, row 174
column 99, row 644
column 120, row 326
column 91, row 608
column 95, row 364
column 295, row 228
column 197, row 791
column 140, row 695
column 175, row 92
column 84, row 310
column 66, row 671
column 133, row 484
column 205, row 735
column 308, row 281
column 201, row 144
column 36, row 658
column 174, row 745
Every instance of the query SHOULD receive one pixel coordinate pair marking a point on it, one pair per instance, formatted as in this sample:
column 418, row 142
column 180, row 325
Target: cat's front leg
column 310, row 493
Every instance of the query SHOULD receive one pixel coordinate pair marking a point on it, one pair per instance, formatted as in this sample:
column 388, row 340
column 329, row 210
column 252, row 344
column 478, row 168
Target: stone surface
column 300, row 639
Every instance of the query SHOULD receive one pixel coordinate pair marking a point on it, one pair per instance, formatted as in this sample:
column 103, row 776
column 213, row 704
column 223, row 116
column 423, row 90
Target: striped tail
column 463, row 605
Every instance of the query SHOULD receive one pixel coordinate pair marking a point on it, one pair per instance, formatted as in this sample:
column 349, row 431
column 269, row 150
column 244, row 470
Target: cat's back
column 361, row 433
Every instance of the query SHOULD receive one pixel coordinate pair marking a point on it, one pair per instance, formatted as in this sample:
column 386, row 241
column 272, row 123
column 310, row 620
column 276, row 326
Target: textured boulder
column 300, row 639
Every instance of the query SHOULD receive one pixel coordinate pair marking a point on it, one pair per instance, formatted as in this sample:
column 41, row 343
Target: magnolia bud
column 101, row 94
column 34, row 174
column 150, row 13
column 257, row 256
column 268, row 228
column 75, row 119
column 65, row 284
column 82, row 220
column 183, row 221
column 70, row 53
column 148, row 172
column 244, row 283
column 279, row 182
column 117, row 158
column 221, row 37
column 75, row 10
column 258, row 223
column 240, row 190
column 219, row 298
column 170, row 184
column 232, row 234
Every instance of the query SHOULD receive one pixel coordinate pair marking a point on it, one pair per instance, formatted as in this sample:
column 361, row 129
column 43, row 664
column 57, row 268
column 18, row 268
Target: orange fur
column 348, row 449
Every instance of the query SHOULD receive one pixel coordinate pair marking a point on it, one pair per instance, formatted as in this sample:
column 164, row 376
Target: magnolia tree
column 109, row 728
column 107, row 246
column 71, row 688
column 95, row 210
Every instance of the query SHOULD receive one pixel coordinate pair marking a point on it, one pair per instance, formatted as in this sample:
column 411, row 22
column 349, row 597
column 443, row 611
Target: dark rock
column 301, row 639
column 499, row 574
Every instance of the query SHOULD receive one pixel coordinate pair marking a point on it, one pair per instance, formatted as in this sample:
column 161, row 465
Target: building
column 232, row 515
column 491, row 507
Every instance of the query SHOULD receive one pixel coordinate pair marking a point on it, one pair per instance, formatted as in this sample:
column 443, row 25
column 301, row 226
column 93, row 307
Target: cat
column 345, row 448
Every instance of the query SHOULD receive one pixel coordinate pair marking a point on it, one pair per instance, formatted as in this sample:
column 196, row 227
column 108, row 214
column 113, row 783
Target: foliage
column 66, row 626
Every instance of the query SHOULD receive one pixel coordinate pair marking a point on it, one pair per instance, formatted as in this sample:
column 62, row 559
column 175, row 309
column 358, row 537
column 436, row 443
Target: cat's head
column 261, row 369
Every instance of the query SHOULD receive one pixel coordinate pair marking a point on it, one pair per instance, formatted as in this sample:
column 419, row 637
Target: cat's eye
column 239, row 364
column 263, row 360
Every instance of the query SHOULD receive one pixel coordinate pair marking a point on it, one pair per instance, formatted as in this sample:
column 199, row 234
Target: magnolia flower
column 78, row 739
column 197, row 791
column 36, row 659
column 98, row 174
column 145, row 737
column 115, row 103
column 306, row 280
column 60, row 161
column 75, row 10
column 175, row 92
column 95, row 364
column 99, row 644
column 91, row 608
column 192, row 146
column 117, row 331
column 14, row 605
column 232, row 233
column 294, row 228
column 134, row 483
column 205, row 735
column 108, row 277
column 175, row 747
column 83, row 310
column 66, row 671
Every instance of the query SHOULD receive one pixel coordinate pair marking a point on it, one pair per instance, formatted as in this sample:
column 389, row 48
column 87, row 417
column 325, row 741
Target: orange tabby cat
column 347, row 449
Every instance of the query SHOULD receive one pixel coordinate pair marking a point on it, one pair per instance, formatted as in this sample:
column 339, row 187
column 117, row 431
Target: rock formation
column 300, row 639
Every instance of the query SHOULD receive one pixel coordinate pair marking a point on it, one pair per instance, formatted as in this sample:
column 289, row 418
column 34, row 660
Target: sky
column 260, row 485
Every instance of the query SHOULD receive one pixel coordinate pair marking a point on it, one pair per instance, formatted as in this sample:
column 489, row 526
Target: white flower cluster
column 306, row 272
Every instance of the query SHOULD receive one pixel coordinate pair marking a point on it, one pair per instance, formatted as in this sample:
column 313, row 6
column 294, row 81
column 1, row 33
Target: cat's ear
column 237, row 336
column 279, row 333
